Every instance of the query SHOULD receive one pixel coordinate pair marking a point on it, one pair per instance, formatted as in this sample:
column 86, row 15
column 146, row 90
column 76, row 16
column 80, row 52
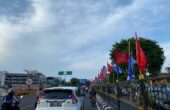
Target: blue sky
column 76, row 35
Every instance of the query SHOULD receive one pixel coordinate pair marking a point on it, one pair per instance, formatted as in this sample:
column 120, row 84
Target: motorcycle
column 13, row 106
column 93, row 100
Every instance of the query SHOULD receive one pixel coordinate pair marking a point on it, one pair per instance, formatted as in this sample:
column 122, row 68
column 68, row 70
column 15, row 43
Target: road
column 87, row 104
column 27, row 103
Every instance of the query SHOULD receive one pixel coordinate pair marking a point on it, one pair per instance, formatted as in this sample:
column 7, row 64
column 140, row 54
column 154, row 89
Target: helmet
column 11, row 91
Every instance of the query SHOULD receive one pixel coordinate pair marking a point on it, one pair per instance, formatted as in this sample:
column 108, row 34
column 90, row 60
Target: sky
column 75, row 35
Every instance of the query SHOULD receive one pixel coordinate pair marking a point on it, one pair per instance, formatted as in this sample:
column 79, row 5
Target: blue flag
column 117, row 69
column 104, row 69
column 131, row 64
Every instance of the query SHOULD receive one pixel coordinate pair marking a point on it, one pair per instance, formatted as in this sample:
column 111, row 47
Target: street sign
column 61, row 73
column 29, row 81
column 65, row 73
column 69, row 72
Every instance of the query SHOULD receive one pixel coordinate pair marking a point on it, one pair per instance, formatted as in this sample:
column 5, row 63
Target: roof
column 64, row 87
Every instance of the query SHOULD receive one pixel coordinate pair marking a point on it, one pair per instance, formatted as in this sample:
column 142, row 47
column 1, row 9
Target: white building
column 2, row 78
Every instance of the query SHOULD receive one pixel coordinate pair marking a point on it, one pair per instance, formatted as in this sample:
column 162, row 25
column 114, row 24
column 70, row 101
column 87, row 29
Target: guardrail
column 152, row 94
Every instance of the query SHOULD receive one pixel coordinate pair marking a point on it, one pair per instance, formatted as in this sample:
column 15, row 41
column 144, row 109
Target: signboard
column 83, row 81
column 65, row 73
column 69, row 72
column 61, row 73
column 29, row 81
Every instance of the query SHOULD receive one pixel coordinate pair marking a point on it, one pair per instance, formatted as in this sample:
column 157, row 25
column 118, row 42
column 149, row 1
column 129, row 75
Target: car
column 60, row 98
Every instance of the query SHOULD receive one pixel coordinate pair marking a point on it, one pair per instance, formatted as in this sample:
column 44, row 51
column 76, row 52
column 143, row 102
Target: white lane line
column 97, row 106
column 24, row 108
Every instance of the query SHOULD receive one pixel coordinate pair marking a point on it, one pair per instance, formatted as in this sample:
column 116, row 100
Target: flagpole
column 129, row 54
column 129, row 51
column 129, row 47
column 112, row 70
column 127, row 73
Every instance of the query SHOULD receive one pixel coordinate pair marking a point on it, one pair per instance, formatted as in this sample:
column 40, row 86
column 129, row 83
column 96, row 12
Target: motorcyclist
column 92, row 93
column 9, row 100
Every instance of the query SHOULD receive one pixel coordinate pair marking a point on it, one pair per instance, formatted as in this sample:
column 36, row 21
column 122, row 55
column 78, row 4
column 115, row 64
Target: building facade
column 2, row 78
column 19, row 80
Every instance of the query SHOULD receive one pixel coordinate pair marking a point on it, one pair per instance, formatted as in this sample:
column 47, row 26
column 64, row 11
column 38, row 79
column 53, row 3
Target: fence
column 152, row 94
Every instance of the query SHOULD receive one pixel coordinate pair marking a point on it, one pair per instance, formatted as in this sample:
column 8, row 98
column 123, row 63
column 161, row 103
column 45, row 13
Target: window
column 58, row 94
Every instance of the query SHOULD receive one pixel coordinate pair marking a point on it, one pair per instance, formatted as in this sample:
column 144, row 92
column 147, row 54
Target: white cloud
column 166, row 49
column 75, row 35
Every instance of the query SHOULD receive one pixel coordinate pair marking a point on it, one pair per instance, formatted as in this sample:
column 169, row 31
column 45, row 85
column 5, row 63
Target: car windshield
column 58, row 94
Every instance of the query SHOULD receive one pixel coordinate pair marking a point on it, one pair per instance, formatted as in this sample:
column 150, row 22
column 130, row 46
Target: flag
column 131, row 64
column 104, row 69
column 117, row 69
column 102, row 76
column 120, row 57
column 140, row 57
column 110, row 69
column 96, row 78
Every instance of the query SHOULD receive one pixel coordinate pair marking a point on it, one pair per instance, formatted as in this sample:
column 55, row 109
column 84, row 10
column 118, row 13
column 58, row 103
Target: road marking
column 24, row 108
column 97, row 106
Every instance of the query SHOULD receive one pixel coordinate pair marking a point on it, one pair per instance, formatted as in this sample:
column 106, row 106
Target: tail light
column 94, row 98
column 39, row 99
column 74, row 99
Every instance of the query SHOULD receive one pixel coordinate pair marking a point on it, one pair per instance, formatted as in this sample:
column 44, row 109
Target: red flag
column 110, row 69
column 102, row 76
column 120, row 57
column 140, row 57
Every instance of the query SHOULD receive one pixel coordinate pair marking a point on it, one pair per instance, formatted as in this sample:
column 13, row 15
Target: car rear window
column 58, row 94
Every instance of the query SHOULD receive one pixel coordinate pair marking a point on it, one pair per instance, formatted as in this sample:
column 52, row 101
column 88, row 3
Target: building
column 53, row 81
column 20, row 80
column 2, row 78
column 42, row 79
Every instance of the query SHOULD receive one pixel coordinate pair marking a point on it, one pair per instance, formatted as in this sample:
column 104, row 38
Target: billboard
column 83, row 81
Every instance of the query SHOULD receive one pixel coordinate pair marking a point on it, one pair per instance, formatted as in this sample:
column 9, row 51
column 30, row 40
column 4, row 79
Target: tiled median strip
column 103, row 104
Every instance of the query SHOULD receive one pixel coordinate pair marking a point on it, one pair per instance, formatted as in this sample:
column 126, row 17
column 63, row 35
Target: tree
column 168, row 69
column 74, row 82
column 154, row 53
column 111, row 75
column 88, row 83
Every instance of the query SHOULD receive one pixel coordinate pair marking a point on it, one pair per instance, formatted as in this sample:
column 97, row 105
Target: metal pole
column 65, row 78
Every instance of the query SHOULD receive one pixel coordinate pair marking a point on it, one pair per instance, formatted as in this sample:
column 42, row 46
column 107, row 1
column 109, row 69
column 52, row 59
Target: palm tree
column 31, row 74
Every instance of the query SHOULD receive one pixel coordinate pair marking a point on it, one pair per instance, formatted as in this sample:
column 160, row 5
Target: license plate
column 55, row 104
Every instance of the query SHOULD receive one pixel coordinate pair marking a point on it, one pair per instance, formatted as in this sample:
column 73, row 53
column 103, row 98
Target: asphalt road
column 88, row 105
column 27, row 103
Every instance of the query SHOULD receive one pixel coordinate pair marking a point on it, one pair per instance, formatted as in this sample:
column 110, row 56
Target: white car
column 60, row 98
